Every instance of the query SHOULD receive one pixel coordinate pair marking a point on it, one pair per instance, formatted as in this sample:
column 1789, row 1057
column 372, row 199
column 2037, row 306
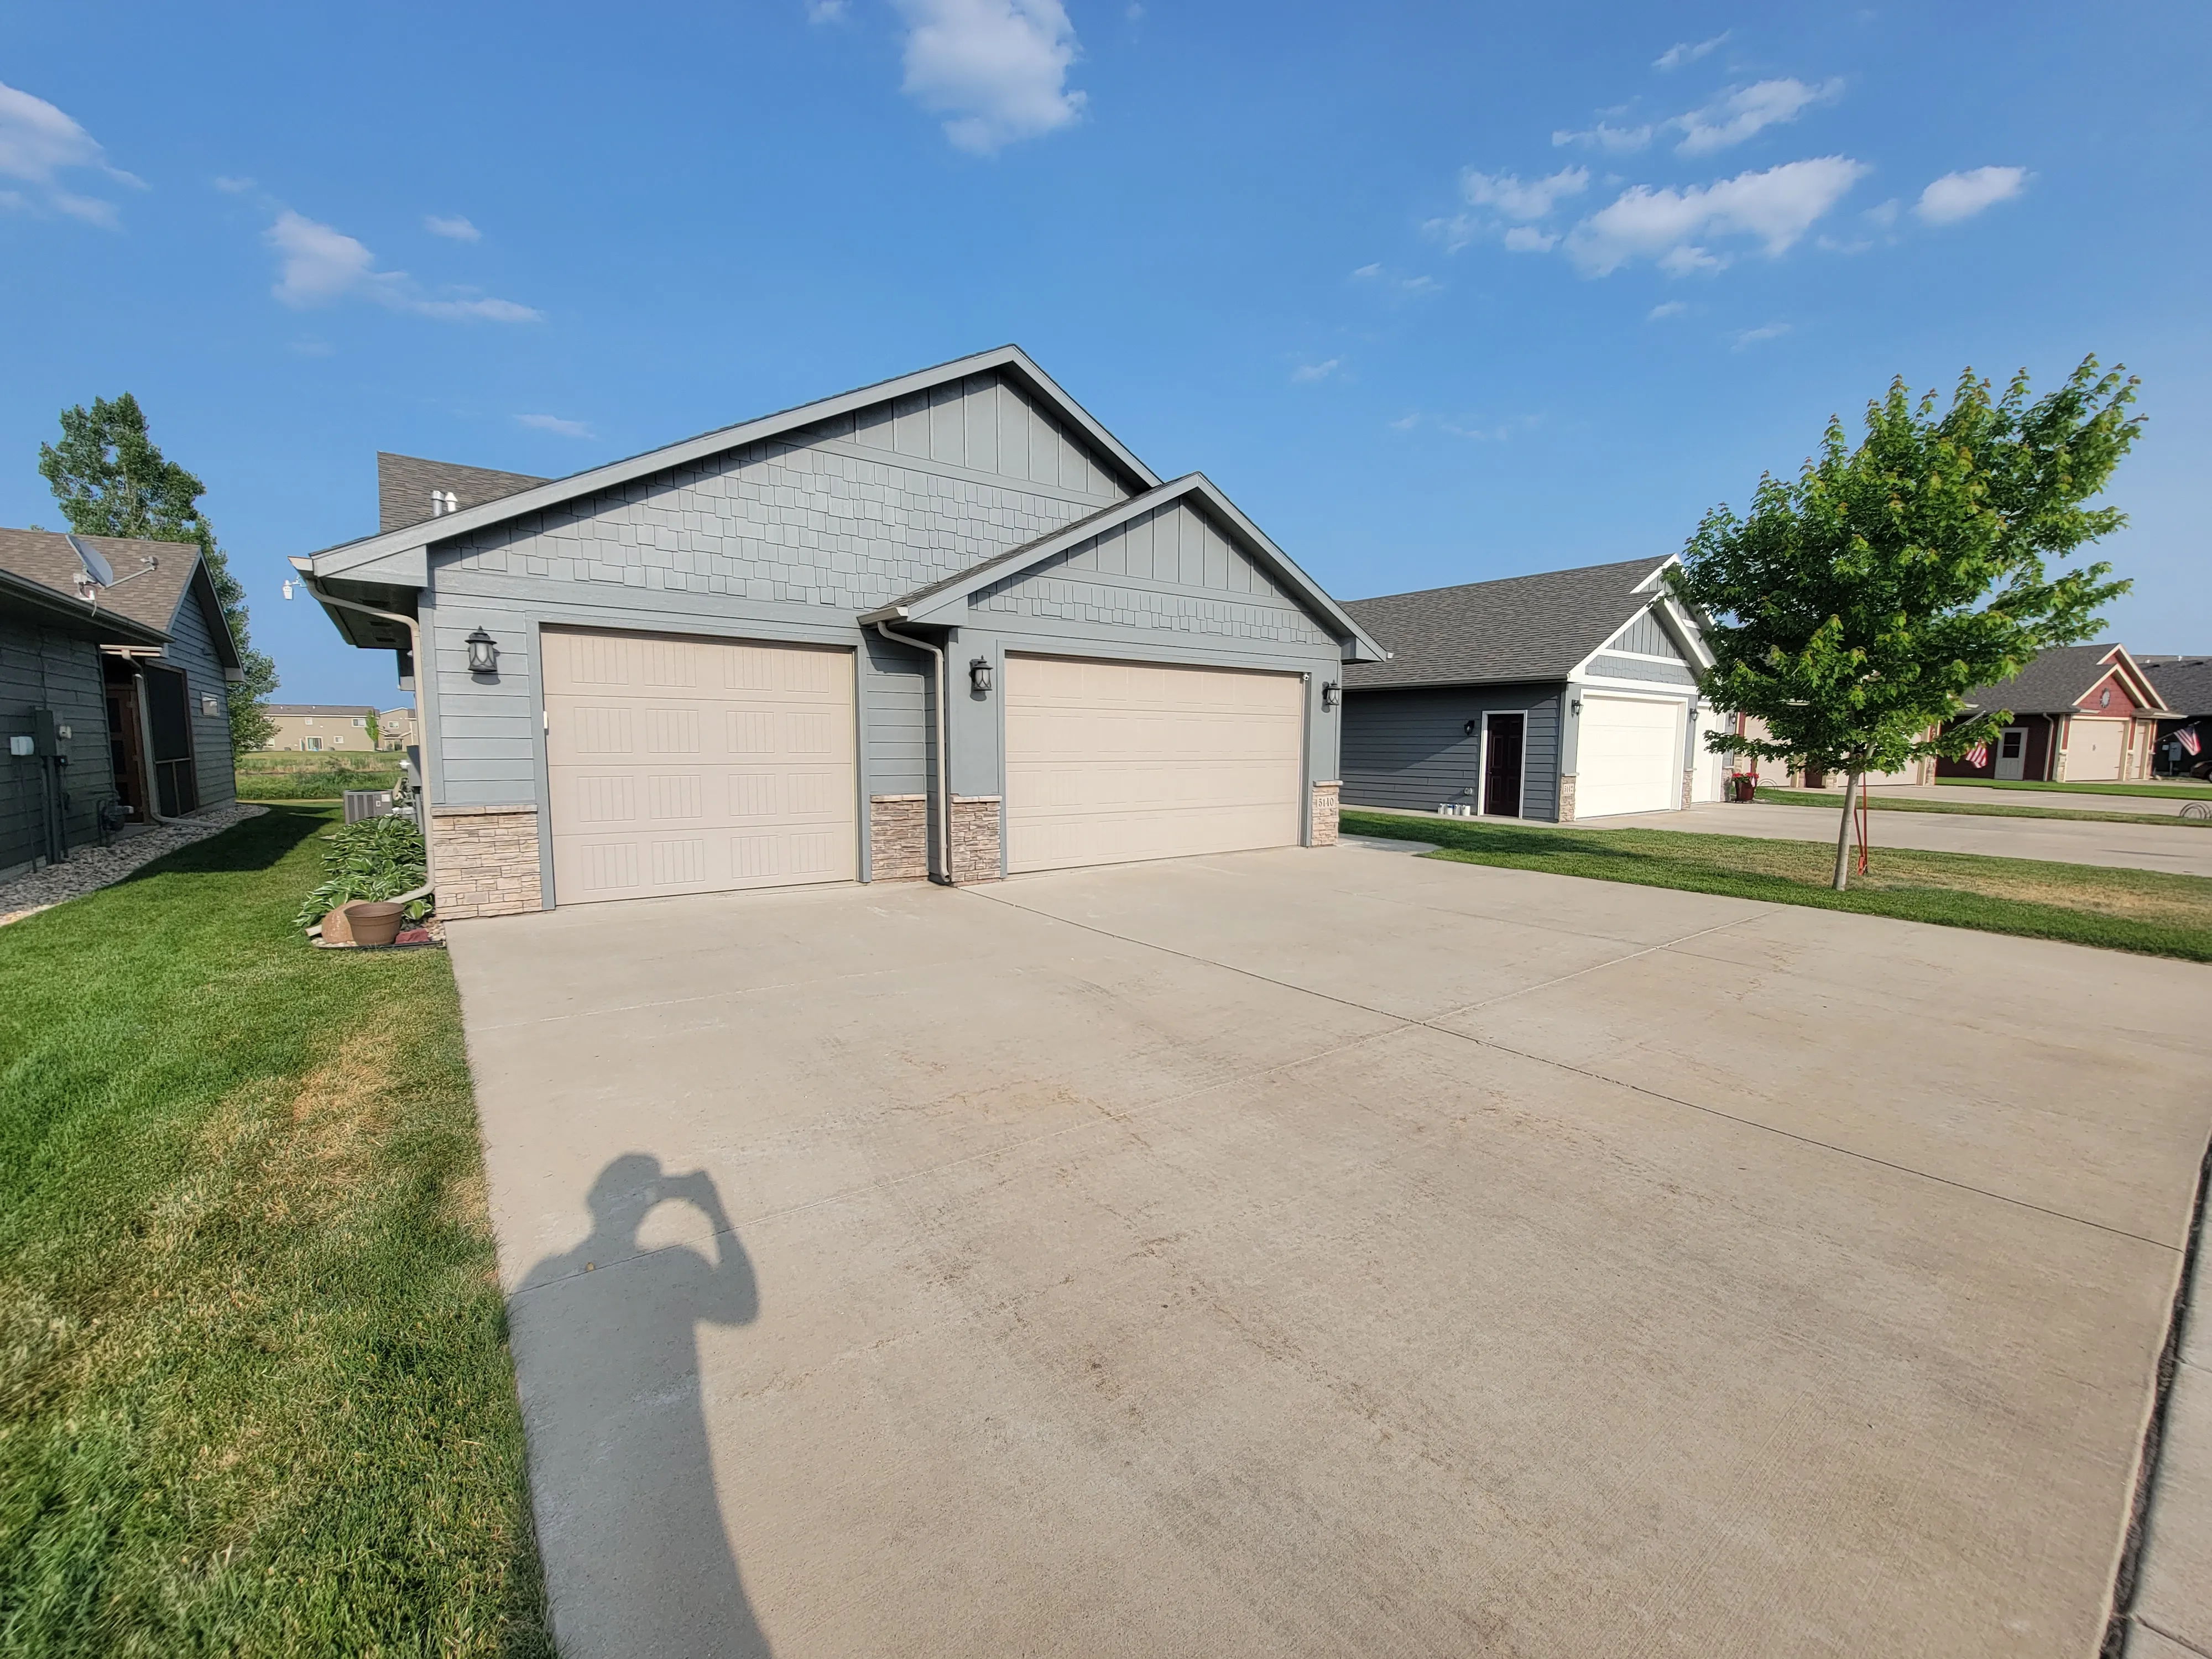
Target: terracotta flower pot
column 375, row 923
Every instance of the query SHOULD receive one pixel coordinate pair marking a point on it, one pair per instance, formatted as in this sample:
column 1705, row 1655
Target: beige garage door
column 1628, row 757
column 1108, row 761
column 691, row 766
column 2094, row 749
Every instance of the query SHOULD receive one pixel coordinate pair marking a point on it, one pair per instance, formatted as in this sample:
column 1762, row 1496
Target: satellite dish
column 95, row 567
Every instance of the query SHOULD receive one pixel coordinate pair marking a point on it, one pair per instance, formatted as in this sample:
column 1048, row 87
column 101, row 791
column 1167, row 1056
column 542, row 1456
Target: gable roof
column 1518, row 629
column 2057, row 680
column 1009, row 359
column 404, row 484
column 927, row 604
column 2184, row 683
column 139, row 608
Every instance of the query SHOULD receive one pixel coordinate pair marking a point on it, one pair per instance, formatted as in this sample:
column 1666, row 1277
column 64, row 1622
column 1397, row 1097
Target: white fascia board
column 923, row 607
column 348, row 556
column 1682, row 628
column 2144, row 693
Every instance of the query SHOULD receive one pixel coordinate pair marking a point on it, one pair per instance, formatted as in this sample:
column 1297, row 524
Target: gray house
column 948, row 625
column 115, row 665
column 1565, row 695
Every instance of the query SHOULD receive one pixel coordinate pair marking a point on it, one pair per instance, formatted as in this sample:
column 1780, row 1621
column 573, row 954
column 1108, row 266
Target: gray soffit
column 404, row 484
column 923, row 602
column 1521, row 629
column 2185, row 683
column 2060, row 677
column 1011, row 360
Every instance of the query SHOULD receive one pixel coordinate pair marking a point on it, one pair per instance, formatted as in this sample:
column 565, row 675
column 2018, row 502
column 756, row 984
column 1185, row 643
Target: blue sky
column 1437, row 292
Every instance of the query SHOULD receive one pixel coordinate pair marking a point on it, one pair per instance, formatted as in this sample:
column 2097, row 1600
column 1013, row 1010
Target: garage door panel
column 2094, row 749
column 1628, row 755
column 683, row 766
column 1112, row 762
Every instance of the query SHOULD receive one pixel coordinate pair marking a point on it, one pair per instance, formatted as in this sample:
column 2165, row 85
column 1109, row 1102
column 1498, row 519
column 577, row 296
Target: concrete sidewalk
column 2183, row 850
column 1327, row 1252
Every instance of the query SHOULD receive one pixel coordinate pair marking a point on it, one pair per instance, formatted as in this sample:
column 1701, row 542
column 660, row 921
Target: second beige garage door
column 1109, row 761
column 692, row 766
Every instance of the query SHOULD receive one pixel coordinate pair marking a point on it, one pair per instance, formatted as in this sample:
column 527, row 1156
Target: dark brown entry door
column 127, row 744
column 1501, row 766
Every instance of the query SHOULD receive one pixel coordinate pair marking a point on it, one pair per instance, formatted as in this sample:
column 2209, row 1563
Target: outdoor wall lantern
column 483, row 654
column 1468, row 728
column 1576, row 707
column 979, row 675
column 1328, row 694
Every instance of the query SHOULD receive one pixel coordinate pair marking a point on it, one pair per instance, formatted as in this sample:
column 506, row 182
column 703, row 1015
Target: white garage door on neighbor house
column 693, row 766
column 1629, row 756
column 1108, row 761
column 2095, row 748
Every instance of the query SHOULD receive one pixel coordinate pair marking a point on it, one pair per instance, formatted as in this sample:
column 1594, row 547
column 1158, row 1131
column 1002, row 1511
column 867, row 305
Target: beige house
column 318, row 726
column 395, row 728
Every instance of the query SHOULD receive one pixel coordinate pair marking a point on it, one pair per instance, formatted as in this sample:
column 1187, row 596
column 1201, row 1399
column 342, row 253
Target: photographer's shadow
column 637, row 1560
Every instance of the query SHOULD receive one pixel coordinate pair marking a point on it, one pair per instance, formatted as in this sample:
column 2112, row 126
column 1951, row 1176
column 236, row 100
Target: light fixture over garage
column 483, row 654
column 979, row 676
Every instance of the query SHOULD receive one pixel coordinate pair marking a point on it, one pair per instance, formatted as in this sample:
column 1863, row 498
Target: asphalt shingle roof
column 404, row 483
column 1523, row 627
column 2051, row 684
column 2185, row 683
column 151, row 600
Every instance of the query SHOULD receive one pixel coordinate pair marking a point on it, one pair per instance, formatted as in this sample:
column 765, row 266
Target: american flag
column 2186, row 737
column 1979, row 755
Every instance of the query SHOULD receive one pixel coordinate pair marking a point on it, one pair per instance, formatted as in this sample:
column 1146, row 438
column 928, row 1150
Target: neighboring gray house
column 947, row 625
column 115, row 664
column 1565, row 695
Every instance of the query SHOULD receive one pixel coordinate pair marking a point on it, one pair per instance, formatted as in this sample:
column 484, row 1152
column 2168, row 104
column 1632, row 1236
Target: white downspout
column 943, row 874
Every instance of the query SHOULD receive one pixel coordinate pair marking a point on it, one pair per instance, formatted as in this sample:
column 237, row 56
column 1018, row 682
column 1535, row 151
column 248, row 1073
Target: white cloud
column 1664, row 309
column 456, row 229
column 1683, row 52
column 38, row 144
column 1751, row 337
column 1776, row 207
column 1527, row 239
column 1745, row 110
column 997, row 68
column 1614, row 141
column 233, row 186
column 1883, row 213
column 1406, row 423
column 1306, row 373
column 1421, row 285
column 1505, row 192
column 826, row 11
column 1364, row 271
column 554, row 424
column 320, row 264
column 1959, row 196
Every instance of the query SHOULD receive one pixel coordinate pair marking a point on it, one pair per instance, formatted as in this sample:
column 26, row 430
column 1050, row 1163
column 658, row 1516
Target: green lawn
column 2145, row 911
column 255, row 1394
column 1988, row 809
column 2185, row 786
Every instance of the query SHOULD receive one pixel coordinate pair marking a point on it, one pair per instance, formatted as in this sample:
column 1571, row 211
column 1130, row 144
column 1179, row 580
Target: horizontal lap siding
column 42, row 669
column 192, row 647
column 1410, row 749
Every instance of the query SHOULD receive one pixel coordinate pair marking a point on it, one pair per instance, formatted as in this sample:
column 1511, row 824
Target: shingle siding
column 1410, row 749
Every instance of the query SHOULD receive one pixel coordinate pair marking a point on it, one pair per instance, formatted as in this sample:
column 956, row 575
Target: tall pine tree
column 111, row 480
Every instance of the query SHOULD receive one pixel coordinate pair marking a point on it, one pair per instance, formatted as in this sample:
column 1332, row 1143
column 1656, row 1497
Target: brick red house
column 2080, row 713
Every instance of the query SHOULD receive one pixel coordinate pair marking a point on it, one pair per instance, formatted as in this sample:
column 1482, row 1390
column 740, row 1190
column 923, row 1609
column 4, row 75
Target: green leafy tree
column 376, row 731
column 111, row 480
column 1853, row 606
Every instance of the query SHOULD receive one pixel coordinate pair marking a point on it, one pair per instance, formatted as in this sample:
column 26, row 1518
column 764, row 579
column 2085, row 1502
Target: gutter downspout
column 943, row 874
column 415, row 648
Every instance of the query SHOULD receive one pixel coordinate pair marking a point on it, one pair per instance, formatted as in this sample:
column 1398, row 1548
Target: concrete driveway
column 1327, row 1252
column 2186, row 849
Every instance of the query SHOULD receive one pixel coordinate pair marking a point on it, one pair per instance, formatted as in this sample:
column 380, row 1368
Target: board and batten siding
column 1646, row 635
column 192, row 647
column 43, row 668
column 1410, row 748
column 788, row 538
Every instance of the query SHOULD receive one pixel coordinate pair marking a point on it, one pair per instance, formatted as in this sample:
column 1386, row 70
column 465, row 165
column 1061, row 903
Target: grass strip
column 2188, row 788
column 255, row 1393
column 1880, row 802
column 2147, row 912
column 325, row 780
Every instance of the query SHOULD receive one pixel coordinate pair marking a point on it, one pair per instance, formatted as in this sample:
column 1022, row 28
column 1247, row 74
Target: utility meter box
column 45, row 732
column 21, row 742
